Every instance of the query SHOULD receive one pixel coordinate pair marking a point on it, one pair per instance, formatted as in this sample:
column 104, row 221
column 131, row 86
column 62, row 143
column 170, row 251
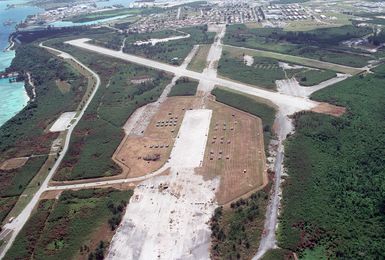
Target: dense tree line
column 334, row 197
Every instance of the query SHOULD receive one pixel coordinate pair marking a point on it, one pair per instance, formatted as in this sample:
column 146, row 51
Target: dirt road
column 268, row 241
column 30, row 82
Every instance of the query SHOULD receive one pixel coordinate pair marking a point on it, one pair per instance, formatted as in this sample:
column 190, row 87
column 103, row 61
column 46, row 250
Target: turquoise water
column 13, row 97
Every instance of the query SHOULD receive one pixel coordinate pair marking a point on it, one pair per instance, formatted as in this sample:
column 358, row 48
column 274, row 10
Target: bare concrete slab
column 168, row 216
column 62, row 122
column 190, row 144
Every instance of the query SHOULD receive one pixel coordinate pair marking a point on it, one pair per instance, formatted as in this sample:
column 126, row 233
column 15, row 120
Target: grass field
column 277, row 254
column 6, row 204
column 99, row 133
column 236, row 231
column 319, row 44
column 16, row 139
column 25, row 134
column 234, row 153
column 263, row 73
column 110, row 13
column 199, row 61
column 70, row 227
column 293, row 59
column 314, row 77
column 184, row 87
column 332, row 202
column 257, row 107
column 310, row 24
column 14, row 182
column 115, row 101
column 173, row 52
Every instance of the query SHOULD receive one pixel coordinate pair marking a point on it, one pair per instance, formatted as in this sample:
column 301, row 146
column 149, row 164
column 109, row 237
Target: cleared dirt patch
column 234, row 152
column 13, row 163
column 137, row 155
column 329, row 109
column 63, row 86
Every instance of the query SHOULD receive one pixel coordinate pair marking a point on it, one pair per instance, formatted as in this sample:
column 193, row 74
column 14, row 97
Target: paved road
column 16, row 225
column 293, row 88
column 290, row 104
column 293, row 103
column 305, row 61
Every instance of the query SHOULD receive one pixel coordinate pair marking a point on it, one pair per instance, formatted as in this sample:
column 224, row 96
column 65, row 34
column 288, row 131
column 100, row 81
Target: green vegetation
column 236, row 231
column 263, row 73
column 173, row 52
column 374, row 18
column 99, row 133
column 333, row 199
column 26, row 242
column 293, row 59
column 64, row 228
column 6, row 204
column 199, row 61
column 16, row 134
column 277, row 254
column 314, row 77
column 319, row 44
column 184, row 87
column 110, row 14
column 26, row 133
column 14, row 182
column 110, row 40
column 256, row 107
column 99, row 251
column 265, row 69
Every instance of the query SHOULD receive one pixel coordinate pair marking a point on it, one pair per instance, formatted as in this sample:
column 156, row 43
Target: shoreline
column 11, row 44
column 26, row 101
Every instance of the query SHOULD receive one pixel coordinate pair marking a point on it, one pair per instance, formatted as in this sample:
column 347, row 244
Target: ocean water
column 13, row 97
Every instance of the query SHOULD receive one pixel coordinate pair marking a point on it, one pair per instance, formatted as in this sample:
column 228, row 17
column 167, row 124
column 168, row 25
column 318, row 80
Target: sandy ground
column 292, row 86
column 62, row 123
column 235, row 153
column 249, row 60
column 167, row 217
column 158, row 138
column 287, row 66
column 13, row 163
column 283, row 126
column 138, row 122
column 213, row 57
column 30, row 82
